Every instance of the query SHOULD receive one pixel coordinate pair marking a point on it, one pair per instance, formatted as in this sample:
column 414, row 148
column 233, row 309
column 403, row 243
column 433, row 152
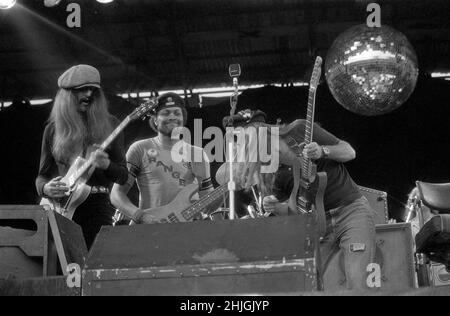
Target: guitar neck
column 204, row 202
column 115, row 133
column 88, row 164
column 306, row 162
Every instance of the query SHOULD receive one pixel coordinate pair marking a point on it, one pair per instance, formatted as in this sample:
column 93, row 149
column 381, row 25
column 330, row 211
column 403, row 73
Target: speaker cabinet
column 33, row 242
column 439, row 275
column 394, row 254
column 26, row 248
column 378, row 201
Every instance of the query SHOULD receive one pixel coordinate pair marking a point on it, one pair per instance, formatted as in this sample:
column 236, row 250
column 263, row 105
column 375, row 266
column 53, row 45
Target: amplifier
column 378, row 201
column 34, row 241
column 25, row 247
column 244, row 256
column 439, row 276
column 394, row 254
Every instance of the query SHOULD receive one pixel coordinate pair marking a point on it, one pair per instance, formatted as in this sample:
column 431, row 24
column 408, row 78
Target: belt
column 334, row 211
column 99, row 189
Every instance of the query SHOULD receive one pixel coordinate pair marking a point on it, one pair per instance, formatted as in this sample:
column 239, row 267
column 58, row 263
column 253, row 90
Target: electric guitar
column 81, row 169
column 309, row 186
column 182, row 209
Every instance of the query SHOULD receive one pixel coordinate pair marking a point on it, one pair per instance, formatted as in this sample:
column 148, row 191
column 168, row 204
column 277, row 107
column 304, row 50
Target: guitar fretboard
column 306, row 162
column 114, row 134
column 198, row 206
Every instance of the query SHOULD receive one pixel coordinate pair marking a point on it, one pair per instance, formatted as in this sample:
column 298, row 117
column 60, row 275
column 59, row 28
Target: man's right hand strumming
column 55, row 188
column 272, row 205
column 148, row 218
column 144, row 217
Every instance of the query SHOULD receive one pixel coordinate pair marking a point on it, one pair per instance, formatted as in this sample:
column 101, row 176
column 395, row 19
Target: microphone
column 235, row 71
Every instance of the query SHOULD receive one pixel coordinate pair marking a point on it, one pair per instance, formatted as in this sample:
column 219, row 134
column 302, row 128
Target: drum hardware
column 251, row 211
column 258, row 202
column 222, row 213
column 414, row 205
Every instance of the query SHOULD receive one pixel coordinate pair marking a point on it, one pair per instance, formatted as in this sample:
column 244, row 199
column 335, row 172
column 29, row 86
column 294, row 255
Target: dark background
column 393, row 150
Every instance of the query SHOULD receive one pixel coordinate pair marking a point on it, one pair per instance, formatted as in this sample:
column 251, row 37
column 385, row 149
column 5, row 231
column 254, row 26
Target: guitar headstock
column 144, row 109
column 317, row 71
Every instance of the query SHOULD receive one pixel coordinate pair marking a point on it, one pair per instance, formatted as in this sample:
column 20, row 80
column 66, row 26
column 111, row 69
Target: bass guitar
column 183, row 209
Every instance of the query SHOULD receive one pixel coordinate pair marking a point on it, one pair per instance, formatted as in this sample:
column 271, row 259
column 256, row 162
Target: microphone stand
column 235, row 72
column 231, row 183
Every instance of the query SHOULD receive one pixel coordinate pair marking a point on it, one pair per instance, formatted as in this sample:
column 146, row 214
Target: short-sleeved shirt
column 341, row 190
column 159, row 177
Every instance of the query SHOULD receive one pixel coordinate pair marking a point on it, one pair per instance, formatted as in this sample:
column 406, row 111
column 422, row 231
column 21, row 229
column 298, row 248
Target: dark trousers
column 92, row 214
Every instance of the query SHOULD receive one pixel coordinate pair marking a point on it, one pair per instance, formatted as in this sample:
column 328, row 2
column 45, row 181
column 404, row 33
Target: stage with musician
column 329, row 184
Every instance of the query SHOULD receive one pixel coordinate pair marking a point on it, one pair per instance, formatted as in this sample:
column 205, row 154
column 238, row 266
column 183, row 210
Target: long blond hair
column 249, row 171
column 72, row 132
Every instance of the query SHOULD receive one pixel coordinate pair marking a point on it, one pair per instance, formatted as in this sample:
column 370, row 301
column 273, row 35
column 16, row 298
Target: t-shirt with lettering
column 159, row 177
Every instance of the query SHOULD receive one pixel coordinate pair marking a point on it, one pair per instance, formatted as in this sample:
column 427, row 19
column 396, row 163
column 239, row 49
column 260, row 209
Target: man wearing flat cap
column 151, row 164
column 78, row 122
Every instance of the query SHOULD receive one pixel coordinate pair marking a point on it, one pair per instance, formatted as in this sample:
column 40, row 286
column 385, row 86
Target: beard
column 166, row 128
column 84, row 104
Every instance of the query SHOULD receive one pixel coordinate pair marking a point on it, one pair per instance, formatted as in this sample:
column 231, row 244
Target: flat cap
column 79, row 76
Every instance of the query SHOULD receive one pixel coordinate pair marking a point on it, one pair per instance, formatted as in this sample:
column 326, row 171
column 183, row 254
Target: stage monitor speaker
column 245, row 256
column 33, row 241
column 394, row 254
column 378, row 201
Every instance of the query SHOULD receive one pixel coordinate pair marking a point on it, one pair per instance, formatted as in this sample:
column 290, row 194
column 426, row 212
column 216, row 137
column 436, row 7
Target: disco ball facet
column 371, row 71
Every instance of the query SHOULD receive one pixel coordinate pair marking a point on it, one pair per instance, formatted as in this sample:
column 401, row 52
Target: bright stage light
column 105, row 1
column 51, row 3
column 7, row 4
column 440, row 74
